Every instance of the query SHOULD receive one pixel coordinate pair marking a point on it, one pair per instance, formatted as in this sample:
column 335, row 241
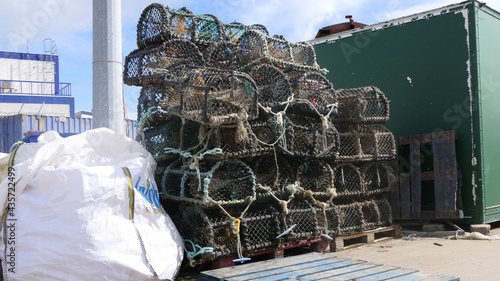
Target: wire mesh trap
column 314, row 94
column 316, row 177
column 365, row 142
column 309, row 137
column 149, row 66
column 273, row 85
column 377, row 178
column 254, row 48
column 348, row 181
column 210, row 230
column 159, row 23
column 302, row 214
column 223, row 183
column 350, row 217
column 385, row 210
column 210, row 96
column 371, row 215
column 362, row 105
column 328, row 220
column 272, row 175
column 259, row 228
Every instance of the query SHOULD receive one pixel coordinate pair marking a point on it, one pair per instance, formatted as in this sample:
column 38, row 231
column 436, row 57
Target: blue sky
column 69, row 23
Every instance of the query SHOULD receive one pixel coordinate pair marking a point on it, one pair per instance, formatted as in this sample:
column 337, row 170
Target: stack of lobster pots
column 254, row 146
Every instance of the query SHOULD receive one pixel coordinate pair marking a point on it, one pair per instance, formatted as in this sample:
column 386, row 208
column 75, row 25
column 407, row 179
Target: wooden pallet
column 317, row 266
column 349, row 241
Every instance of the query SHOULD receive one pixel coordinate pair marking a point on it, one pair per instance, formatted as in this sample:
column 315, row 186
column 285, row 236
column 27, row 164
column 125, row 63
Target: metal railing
column 34, row 87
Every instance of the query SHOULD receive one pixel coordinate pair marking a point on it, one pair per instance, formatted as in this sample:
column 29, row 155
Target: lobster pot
column 272, row 175
column 303, row 214
column 371, row 215
column 376, row 178
column 365, row 142
column 255, row 48
column 362, row 105
column 149, row 111
column 210, row 96
column 317, row 177
column 159, row 138
column 259, row 228
column 348, row 181
column 307, row 137
column 222, row 183
column 207, row 228
column 159, row 23
column 151, row 65
column 385, row 211
column 315, row 94
column 273, row 85
column 350, row 218
column 328, row 220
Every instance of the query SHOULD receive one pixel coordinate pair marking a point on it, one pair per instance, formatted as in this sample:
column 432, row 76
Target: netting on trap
column 254, row 48
column 302, row 214
column 362, row 105
column 210, row 96
column 259, row 228
column 273, row 85
column 223, row 183
column 371, row 215
column 348, row 181
column 316, row 176
column 207, row 228
column 158, row 138
column 385, row 211
column 377, row 178
column 350, row 218
column 328, row 220
column 365, row 142
column 159, row 23
column 309, row 137
column 151, row 65
column 315, row 94
column 272, row 176
column 149, row 111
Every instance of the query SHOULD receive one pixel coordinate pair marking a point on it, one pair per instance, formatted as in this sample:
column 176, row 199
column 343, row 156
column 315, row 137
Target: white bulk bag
column 87, row 208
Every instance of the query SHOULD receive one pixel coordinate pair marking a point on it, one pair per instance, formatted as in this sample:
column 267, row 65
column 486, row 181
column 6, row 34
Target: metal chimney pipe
column 107, row 83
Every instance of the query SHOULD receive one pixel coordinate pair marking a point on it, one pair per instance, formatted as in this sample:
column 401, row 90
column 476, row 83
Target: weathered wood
column 445, row 173
column 415, row 178
column 405, row 197
column 394, row 193
column 316, row 266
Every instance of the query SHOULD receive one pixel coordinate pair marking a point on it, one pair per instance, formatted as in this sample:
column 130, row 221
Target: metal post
column 107, row 65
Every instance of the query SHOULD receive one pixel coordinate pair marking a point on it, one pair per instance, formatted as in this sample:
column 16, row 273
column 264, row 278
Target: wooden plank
column 445, row 173
column 337, row 273
column 394, row 193
column 300, row 271
column 369, row 272
column 405, row 197
column 425, row 138
column 415, row 177
column 400, row 272
column 276, row 265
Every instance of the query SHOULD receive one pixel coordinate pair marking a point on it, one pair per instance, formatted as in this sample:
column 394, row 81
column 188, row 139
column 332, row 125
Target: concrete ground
column 470, row 260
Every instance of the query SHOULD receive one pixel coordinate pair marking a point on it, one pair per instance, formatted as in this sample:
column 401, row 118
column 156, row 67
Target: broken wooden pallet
column 353, row 240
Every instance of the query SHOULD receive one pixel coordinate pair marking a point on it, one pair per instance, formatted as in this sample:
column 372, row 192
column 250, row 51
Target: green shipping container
column 441, row 71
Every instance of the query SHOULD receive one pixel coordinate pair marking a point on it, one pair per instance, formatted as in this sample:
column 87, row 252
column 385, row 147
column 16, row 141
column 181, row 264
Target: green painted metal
column 440, row 71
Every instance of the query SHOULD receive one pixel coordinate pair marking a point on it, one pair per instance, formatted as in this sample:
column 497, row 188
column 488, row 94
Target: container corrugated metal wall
column 440, row 71
column 13, row 128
